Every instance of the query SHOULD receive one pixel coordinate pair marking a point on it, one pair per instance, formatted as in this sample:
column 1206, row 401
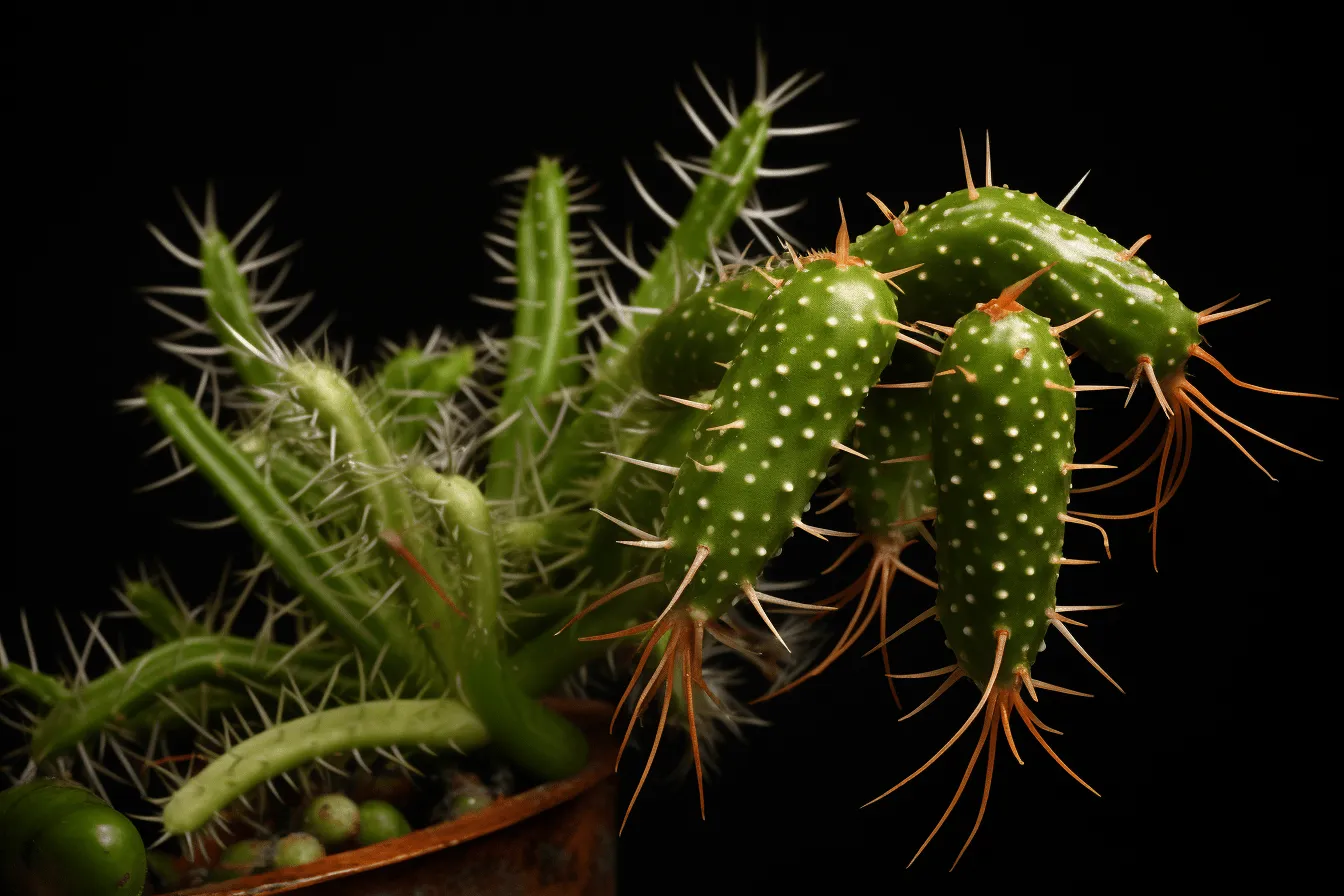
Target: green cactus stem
column 340, row 601
column 1129, row 320
column 1002, row 453
column 436, row 724
column 374, row 468
column 121, row 693
column 545, row 338
column 538, row 739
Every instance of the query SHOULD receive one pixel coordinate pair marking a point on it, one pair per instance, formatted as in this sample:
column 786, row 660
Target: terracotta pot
column 555, row 840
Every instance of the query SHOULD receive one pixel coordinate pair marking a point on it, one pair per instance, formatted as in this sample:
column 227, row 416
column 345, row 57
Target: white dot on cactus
column 808, row 432
column 832, row 321
column 788, row 486
column 1012, row 431
column 785, row 410
column 970, row 570
column 966, row 631
column 978, row 440
column 989, row 495
column 1031, row 570
column 761, row 552
column 995, row 464
column 830, row 353
column 738, row 515
column 702, row 503
column 1031, row 623
column 815, row 365
column 749, row 478
column 970, row 524
column 813, row 400
column 1001, row 594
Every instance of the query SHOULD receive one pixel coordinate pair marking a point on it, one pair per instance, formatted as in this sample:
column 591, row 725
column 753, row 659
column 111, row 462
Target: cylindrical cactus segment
column 689, row 345
column 545, row 338
column 437, row 724
column 375, row 471
column 1003, row 421
column 122, row 692
column 781, row 412
column 892, row 493
column 893, row 490
column 1135, row 323
column 538, row 739
column 972, row 240
column 1003, row 426
column 816, row 346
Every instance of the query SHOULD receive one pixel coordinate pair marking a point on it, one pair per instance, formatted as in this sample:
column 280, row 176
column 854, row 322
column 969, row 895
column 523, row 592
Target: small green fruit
column 332, row 818
column 471, row 801
column 379, row 821
column 298, row 848
column 241, row 859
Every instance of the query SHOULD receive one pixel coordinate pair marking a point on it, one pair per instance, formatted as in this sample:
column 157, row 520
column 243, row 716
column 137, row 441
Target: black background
column 383, row 136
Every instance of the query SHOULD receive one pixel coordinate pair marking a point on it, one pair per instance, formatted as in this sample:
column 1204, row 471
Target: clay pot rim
column 590, row 715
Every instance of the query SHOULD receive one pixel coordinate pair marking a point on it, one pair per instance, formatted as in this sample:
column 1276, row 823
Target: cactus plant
column 469, row 526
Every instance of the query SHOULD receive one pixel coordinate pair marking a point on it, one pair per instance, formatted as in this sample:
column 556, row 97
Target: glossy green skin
column 896, row 423
column 297, row 849
column 999, row 446
column 379, row 821
column 59, row 839
column 678, row 353
column 970, row 248
column 803, row 372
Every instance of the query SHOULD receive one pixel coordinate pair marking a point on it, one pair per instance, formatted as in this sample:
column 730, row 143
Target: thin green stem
column 437, row 724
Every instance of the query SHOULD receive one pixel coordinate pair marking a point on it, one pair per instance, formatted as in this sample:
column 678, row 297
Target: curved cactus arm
column 437, row 724
column 320, row 388
column 410, row 385
column 545, row 338
column 122, row 692
column 299, row 555
column 158, row 613
column 536, row 738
